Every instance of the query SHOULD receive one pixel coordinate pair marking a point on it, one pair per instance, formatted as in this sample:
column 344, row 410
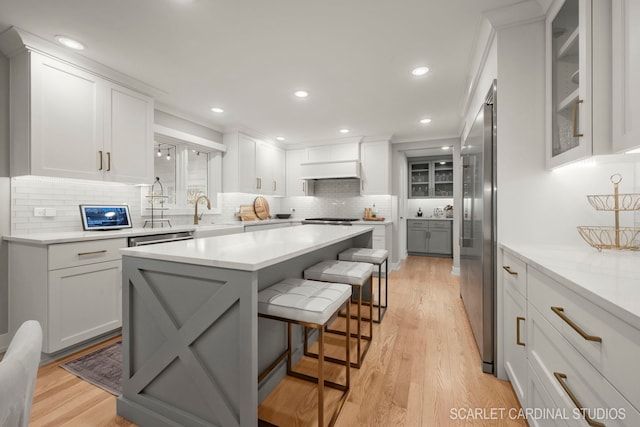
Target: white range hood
column 330, row 169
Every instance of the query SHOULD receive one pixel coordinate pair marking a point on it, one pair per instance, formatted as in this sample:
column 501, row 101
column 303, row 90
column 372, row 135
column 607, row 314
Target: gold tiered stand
column 616, row 237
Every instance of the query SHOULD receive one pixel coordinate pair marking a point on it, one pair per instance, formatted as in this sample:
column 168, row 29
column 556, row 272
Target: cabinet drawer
column 439, row 224
column 566, row 375
column 379, row 231
column 417, row 224
column 65, row 255
column 539, row 398
column 616, row 357
column 514, row 273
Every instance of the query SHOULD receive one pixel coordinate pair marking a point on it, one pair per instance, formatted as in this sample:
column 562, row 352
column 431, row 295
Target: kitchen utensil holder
column 616, row 237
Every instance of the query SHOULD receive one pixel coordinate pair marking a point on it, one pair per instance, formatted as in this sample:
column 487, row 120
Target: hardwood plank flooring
column 422, row 363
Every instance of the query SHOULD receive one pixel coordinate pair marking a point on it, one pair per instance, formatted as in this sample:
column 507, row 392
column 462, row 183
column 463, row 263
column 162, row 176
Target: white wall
column 4, row 194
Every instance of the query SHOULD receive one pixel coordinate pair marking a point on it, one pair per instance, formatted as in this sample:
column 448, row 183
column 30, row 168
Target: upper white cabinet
column 375, row 176
column 625, row 67
column 296, row 186
column 578, row 80
column 58, row 109
column 252, row 166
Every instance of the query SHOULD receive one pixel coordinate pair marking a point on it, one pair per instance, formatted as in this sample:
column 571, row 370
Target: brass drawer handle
column 518, row 341
column 508, row 270
column 560, row 312
column 100, row 155
column 575, row 119
column 561, row 377
column 108, row 161
column 104, row 251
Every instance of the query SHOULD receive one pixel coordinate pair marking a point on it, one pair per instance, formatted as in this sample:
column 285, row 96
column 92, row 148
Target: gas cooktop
column 335, row 221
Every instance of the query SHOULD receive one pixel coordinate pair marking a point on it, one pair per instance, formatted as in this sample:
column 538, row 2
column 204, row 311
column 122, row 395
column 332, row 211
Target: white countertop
column 249, row 251
column 79, row 236
column 609, row 279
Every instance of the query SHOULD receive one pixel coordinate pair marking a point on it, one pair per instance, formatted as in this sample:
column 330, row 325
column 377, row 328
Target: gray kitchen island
column 192, row 341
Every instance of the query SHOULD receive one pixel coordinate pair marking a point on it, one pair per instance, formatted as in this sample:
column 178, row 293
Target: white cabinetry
column 578, row 355
column 58, row 109
column 514, row 279
column 296, row 186
column 625, row 66
column 578, row 80
column 73, row 289
column 382, row 239
column 252, row 166
column 375, row 176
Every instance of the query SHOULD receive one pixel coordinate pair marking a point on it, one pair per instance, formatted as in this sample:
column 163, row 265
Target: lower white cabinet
column 382, row 240
column 84, row 302
column 571, row 363
column 73, row 289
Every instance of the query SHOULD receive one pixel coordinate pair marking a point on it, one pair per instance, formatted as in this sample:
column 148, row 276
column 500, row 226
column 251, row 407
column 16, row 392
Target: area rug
column 102, row 368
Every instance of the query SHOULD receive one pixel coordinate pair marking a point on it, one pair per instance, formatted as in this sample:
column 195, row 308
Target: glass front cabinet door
column 578, row 69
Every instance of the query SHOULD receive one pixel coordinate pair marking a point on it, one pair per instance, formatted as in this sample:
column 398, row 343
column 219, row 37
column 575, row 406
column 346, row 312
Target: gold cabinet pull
column 108, row 161
column 575, row 119
column 257, row 183
column 100, row 155
column 561, row 379
column 508, row 270
column 104, row 251
column 304, row 186
column 518, row 341
column 275, row 186
column 560, row 312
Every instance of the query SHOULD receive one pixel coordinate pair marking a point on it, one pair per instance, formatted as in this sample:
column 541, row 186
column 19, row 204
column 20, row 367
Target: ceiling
column 248, row 57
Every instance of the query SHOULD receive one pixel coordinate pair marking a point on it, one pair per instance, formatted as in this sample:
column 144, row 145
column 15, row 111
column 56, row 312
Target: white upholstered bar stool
column 357, row 274
column 311, row 304
column 375, row 257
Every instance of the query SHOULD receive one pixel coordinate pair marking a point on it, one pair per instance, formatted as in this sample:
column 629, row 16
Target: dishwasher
column 154, row 239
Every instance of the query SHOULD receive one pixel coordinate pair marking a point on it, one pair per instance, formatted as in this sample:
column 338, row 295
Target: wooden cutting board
column 261, row 207
column 247, row 213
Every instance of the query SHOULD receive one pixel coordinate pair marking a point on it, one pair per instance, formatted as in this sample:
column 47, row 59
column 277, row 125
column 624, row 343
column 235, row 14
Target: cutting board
column 261, row 207
column 247, row 213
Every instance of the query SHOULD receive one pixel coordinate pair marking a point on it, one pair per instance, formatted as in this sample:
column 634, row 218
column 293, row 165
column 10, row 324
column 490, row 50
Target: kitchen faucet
column 195, row 215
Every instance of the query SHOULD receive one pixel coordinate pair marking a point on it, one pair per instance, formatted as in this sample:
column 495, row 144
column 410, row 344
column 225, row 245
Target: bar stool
column 311, row 304
column 357, row 274
column 375, row 257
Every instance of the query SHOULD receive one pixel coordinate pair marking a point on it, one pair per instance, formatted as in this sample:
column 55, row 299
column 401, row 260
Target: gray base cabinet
column 429, row 237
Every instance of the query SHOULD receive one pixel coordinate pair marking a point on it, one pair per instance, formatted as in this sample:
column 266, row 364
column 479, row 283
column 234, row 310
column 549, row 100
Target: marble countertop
column 79, row 236
column 249, row 251
column 609, row 279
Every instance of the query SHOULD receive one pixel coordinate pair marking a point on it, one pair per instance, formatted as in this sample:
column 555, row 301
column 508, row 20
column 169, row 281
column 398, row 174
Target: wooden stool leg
column 359, row 323
column 347, row 340
column 321, row 377
column 371, row 307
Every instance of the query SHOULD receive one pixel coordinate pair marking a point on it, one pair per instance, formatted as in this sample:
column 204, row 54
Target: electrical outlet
column 39, row 211
column 50, row 212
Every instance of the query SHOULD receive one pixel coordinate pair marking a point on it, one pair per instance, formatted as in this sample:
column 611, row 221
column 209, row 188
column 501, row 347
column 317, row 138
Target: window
column 188, row 167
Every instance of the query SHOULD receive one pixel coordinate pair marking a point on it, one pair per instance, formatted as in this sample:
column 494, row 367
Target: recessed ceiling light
column 420, row 71
column 425, row 121
column 217, row 110
column 70, row 43
column 280, row 138
column 344, row 130
column 446, row 147
column 301, row 93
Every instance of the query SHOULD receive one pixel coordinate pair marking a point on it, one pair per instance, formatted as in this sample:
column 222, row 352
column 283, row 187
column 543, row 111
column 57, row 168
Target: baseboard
column 455, row 271
column 47, row 358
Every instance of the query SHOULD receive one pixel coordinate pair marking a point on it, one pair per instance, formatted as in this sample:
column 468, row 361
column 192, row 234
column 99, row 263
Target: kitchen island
column 192, row 341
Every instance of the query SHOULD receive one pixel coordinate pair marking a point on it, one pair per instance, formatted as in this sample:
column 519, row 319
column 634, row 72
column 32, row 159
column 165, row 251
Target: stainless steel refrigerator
column 478, row 249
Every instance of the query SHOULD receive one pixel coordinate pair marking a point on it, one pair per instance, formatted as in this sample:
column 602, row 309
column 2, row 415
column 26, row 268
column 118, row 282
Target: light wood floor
column 423, row 364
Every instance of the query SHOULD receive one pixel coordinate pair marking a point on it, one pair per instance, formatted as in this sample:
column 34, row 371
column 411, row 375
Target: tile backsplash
column 335, row 198
column 64, row 195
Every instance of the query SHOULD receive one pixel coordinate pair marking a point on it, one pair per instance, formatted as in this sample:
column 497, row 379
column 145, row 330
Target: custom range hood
column 330, row 169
